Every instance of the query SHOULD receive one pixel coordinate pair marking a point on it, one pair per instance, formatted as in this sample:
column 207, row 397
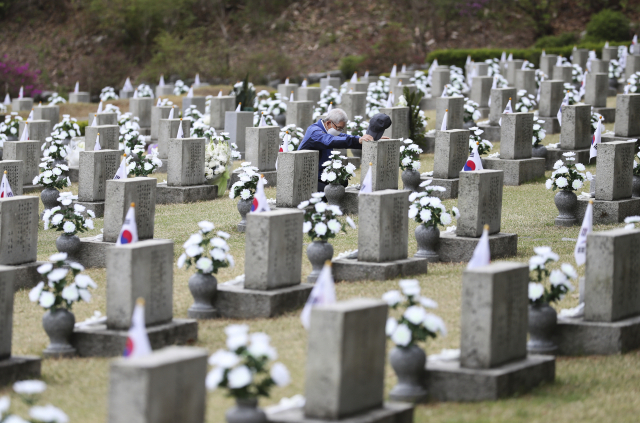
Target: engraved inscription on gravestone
column 305, row 182
column 144, row 220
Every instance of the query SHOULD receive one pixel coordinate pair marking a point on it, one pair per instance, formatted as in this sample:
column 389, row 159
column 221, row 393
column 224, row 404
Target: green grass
column 589, row 389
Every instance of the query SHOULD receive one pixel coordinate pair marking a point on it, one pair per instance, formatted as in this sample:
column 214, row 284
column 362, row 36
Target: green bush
column 562, row 40
column 82, row 124
column 350, row 64
column 608, row 25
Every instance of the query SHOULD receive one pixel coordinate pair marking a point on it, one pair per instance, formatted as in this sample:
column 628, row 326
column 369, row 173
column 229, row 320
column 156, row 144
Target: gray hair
column 336, row 116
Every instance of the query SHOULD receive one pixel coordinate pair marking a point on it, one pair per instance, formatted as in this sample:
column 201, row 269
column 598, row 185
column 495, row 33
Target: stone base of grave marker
column 429, row 146
column 98, row 341
column 74, row 174
column 608, row 113
column 551, row 124
column 21, row 104
column 271, row 176
column 27, row 275
column 517, row 172
column 447, row 381
column 30, row 189
column 611, row 138
column 390, row 412
column 349, row 203
column 17, row 368
column 579, row 337
column 354, row 270
column 97, row 207
column 188, row 194
column 80, row 97
column 233, row 301
column 451, row 186
column 607, row 212
column 453, row 248
column 491, row 132
column 93, row 252
column 126, row 94
column 555, row 154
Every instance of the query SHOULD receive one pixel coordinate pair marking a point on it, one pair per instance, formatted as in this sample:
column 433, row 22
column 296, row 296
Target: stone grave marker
column 451, row 152
column 600, row 66
column 141, row 108
column 79, row 97
column 299, row 113
column 627, row 115
column 309, row 94
column 354, row 104
column 399, row 122
column 576, row 127
column 198, row 101
column 161, row 112
column 109, row 137
column 454, row 109
column 512, row 67
column 563, row 73
column 481, row 92
column 219, row 107
column 22, row 104
column 168, row 129
column 297, row 177
column 50, row 113
column 95, row 168
column 439, row 78
column 580, row 57
column 551, row 95
column 120, row 194
column 329, row 81
column 39, row 130
column 285, row 91
column 499, row 99
column 385, row 158
column 609, row 53
column 165, row 90
column 15, row 175
column 547, row 63
column 106, row 118
column 262, row 145
column 235, row 124
column 29, row 153
column 525, row 79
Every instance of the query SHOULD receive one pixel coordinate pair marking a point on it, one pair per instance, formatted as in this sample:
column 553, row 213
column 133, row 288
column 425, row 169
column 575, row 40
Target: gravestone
column 262, row 145
column 597, row 86
column 609, row 53
column 453, row 107
column 309, row 94
column 235, row 124
column 525, row 79
column 21, row 104
column 50, row 113
column 119, row 195
column 563, row 73
column 354, row 104
column 357, row 87
column 551, row 95
column 29, row 153
column 499, row 99
column 14, row 368
column 125, row 93
column 141, row 269
column 627, row 115
column 158, row 113
column 199, row 102
column 480, row 200
column 185, row 173
column 297, row 177
column 399, row 122
column 95, row 168
column 580, row 57
column 141, row 108
column 79, row 97
column 382, row 240
column 385, row 158
column 512, row 67
column 285, row 91
column 576, row 127
column 299, row 113
column 613, row 201
column 219, row 107
column 547, row 63
column 15, row 175
column 272, row 277
column 611, row 318
column 439, row 78
column 103, row 118
column 493, row 359
column 481, row 92
column 39, row 130
column 168, row 129
column 396, row 83
column 451, row 152
column 346, row 367
column 109, row 137
column 329, row 81
column 165, row 90
column 600, row 66
column 164, row 387
column 481, row 69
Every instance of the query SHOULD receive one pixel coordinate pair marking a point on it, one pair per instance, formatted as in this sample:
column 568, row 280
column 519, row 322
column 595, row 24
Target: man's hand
column 385, row 138
column 366, row 138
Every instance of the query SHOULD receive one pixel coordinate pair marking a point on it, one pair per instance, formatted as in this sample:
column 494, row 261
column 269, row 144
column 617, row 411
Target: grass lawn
column 589, row 389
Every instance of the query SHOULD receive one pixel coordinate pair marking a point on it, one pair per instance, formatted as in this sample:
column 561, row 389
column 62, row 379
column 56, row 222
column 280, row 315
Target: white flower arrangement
column 108, row 93
column 484, row 146
column 526, row 102
column 68, row 218
column 559, row 279
column 199, row 129
column 615, row 70
column 567, row 176
column 573, row 95
column 415, row 324
column 61, row 289
column 245, row 188
column 528, row 65
column 145, row 91
column 577, row 74
column 273, row 106
column 630, row 221
column 52, row 175
column 540, row 76
column 11, row 125
column 538, row 133
column 164, row 102
column 501, row 81
column 402, row 101
column 56, row 99
column 376, row 96
column 296, row 135
column 427, row 210
column 208, row 251
column 243, row 368
column 421, row 80
column 219, row 155
column 140, row 164
column 268, row 119
column 180, row 88
column 634, row 83
column 330, row 96
column 451, row 91
column 29, row 391
column 457, row 81
column 112, row 108
column 320, row 219
column 129, row 132
column 410, row 155
column 66, row 129
column 192, row 113
column 595, row 118
column 494, row 66
column 471, row 112
column 357, row 127
column 335, row 171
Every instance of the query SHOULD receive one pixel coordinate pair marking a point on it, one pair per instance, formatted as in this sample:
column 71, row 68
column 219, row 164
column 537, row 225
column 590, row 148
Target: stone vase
column 203, row 288
column 467, row 125
column 427, row 238
column 411, row 180
column 49, row 197
column 281, row 119
column 635, row 187
column 12, row 138
column 409, row 365
column 318, row 252
column 246, row 411
column 539, row 151
column 58, row 324
column 334, row 194
column 543, row 320
column 69, row 244
column 567, row 203
column 244, row 207
column 613, row 83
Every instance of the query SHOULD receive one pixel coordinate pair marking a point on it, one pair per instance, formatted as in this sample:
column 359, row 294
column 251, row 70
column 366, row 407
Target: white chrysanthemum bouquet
column 246, row 186
column 208, row 251
column 192, row 113
column 567, row 176
column 52, row 175
column 56, row 99
column 357, row 127
column 572, row 94
column 108, row 93
column 484, row 146
column 410, row 155
column 526, row 102
column 321, row 220
column 296, row 135
column 471, row 112
column 11, row 125
column 559, row 279
column 69, row 217
column 180, row 88
column 427, row 210
column 538, row 133
column 129, row 132
column 144, row 91
column 140, row 164
column 335, row 171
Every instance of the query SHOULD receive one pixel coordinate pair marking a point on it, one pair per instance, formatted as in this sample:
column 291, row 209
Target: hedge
column 458, row 57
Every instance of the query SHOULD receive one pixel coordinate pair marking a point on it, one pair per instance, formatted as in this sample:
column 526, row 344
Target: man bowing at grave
column 327, row 134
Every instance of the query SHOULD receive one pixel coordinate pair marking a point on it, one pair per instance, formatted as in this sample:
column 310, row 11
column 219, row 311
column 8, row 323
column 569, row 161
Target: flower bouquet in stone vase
column 538, row 134
column 414, row 325
column 11, row 126
column 246, row 371
column 63, row 131
column 336, row 175
column 526, row 102
column 69, row 219
column 471, row 114
column 410, row 164
column 245, row 189
column 56, row 99
column 542, row 317
column 429, row 212
column 321, row 224
column 129, row 132
column 484, row 146
column 108, row 93
column 219, row 155
column 199, row 129
column 296, row 134
column 145, row 91
column 357, row 127
column 140, row 164
column 64, row 285
column 53, row 179
column 567, row 177
column 180, row 88
column 207, row 251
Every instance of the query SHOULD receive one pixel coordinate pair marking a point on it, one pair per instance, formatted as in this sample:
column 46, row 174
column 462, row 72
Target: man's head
column 336, row 119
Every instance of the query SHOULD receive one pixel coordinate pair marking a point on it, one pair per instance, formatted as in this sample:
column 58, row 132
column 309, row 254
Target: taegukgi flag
column 259, row 203
column 129, row 231
column 580, row 252
column 323, row 292
column 482, row 253
column 137, row 339
column 5, row 188
column 473, row 162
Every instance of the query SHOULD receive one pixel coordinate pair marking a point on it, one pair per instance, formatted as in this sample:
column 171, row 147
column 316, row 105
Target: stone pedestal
column 219, row 107
column 609, row 212
column 580, row 337
column 555, row 154
column 354, row 270
column 141, row 108
column 453, row 248
column 389, row 413
column 236, row 124
column 185, row 194
column 102, row 118
column 17, row 368
column 517, row 172
column 399, row 122
column 79, row 97
column 165, row 90
column 22, row 104
column 309, row 94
